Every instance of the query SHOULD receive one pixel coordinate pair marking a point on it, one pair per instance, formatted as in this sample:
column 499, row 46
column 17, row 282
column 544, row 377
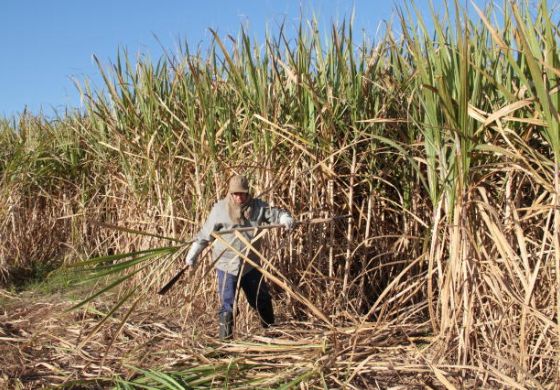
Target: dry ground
column 42, row 345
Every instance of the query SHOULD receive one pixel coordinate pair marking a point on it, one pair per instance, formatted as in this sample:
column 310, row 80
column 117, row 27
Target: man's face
column 240, row 197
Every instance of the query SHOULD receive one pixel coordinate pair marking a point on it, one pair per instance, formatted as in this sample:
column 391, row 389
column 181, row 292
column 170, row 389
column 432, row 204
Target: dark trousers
column 256, row 292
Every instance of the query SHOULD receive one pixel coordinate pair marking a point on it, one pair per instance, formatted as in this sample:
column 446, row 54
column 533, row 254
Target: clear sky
column 46, row 43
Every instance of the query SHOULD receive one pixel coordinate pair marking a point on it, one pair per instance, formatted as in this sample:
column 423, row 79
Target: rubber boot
column 226, row 325
column 266, row 313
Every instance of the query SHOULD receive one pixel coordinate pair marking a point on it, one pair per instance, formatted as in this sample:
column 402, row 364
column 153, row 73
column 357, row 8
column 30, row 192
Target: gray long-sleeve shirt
column 229, row 261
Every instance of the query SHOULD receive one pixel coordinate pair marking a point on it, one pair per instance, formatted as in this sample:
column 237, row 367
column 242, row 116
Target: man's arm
column 203, row 238
column 276, row 215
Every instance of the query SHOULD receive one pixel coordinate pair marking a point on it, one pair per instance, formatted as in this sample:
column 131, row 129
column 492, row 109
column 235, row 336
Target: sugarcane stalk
column 174, row 280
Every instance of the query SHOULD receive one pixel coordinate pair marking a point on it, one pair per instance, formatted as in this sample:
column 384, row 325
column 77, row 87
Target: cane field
column 437, row 141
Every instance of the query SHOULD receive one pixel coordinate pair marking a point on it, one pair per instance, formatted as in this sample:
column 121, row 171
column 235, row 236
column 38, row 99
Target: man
column 238, row 209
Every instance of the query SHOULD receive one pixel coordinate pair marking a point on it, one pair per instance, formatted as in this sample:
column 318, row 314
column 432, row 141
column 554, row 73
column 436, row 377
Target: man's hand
column 192, row 254
column 287, row 221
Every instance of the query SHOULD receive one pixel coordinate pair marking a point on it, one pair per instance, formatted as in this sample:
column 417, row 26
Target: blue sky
column 47, row 44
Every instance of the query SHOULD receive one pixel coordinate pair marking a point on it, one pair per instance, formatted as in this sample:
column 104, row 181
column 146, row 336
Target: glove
column 193, row 253
column 287, row 221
